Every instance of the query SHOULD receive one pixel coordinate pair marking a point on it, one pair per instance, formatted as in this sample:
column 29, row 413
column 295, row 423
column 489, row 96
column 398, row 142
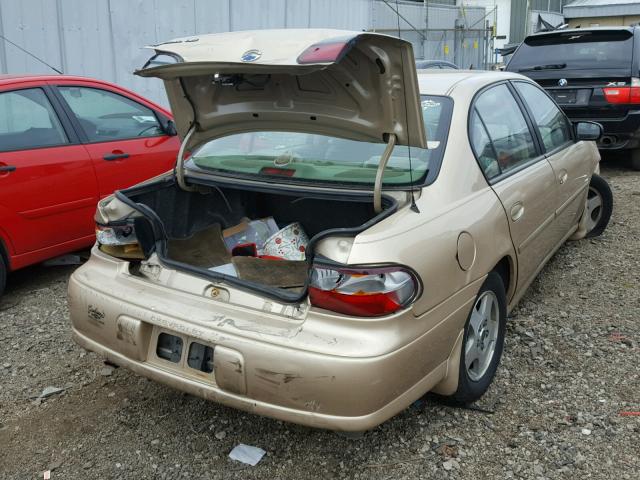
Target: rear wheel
column 635, row 159
column 599, row 206
column 482, row 342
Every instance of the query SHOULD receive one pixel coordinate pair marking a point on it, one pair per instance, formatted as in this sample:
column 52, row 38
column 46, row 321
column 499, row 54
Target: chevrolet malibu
column 340, row 235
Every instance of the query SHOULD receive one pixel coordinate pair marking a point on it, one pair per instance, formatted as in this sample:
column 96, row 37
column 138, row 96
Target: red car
column 66, row 142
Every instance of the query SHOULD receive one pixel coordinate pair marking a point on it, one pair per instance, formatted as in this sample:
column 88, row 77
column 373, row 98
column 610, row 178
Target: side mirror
column 589, row 131
column 170, row 128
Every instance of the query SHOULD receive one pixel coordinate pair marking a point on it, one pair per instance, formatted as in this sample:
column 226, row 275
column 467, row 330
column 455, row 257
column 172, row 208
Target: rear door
column 570, row 160
column 523, row 179
column 48, row 188
column 124, row 137
column 575, row 67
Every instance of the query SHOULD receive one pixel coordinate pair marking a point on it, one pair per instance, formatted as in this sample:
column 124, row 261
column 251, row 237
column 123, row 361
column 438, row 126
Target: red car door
column 48, row 188
column 125, row 135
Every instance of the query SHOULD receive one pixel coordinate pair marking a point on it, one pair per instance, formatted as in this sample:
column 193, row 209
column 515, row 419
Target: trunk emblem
column 563, row 82
column 251, row 55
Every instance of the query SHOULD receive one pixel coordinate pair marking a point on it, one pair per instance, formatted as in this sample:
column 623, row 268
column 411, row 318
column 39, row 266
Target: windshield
column 575, row 51
column 308, row 157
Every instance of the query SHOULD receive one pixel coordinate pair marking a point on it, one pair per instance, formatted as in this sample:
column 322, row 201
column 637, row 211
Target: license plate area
column 179, row 353
column 189, row 357
column 564, row 97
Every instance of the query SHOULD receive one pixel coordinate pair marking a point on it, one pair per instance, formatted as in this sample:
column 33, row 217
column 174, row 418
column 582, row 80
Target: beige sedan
column 346, row 235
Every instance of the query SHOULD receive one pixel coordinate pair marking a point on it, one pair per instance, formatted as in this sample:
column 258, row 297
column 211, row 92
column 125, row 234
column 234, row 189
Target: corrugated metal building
column 602, row 13
column 103, row 38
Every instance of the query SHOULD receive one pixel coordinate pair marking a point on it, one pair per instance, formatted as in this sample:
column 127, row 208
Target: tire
column 484, row 340
column 599, row 206
column 3, row 275
column 635, row 159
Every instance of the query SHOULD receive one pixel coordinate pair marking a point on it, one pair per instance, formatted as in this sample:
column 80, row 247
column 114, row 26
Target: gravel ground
column 556, row 410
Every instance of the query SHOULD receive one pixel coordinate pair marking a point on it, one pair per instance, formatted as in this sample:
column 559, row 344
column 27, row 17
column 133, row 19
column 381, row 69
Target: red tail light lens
column 363, row 292
column 323, row 52
column 617, row 94
column 623, row 95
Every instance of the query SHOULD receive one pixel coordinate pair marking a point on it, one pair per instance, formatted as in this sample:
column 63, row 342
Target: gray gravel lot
column 561, row 406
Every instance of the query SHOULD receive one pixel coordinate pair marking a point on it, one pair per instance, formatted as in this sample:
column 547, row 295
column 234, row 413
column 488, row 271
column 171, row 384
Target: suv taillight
column 363, row 291
column 623, row 95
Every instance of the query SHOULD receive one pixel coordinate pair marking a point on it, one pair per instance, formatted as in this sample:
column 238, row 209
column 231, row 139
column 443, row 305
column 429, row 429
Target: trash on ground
column 49, row 391
column 247, row 454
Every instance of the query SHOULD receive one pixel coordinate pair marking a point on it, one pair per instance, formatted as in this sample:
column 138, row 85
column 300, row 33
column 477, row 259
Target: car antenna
column 30, row 54
column 414, row 207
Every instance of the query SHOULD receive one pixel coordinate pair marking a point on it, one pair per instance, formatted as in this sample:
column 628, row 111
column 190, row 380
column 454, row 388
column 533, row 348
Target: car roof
column 442, row 82
column 43, row 77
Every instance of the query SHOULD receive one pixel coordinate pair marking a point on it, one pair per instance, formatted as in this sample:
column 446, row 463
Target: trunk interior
column 198, row 231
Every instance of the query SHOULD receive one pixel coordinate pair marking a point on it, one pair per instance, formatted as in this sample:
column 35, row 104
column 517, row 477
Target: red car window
column 105, row 116
column 27, row 120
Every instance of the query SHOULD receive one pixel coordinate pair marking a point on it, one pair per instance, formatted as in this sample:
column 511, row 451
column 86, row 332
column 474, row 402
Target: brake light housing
column 363, row 291
column 119, row 241
column 623, row 95
column 325, row 52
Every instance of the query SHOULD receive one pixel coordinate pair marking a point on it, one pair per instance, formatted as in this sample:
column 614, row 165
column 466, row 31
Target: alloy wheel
column 594, row 208
column 482, row 334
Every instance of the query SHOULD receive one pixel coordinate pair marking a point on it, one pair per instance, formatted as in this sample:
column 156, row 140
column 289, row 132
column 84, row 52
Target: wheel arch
column 506, row 268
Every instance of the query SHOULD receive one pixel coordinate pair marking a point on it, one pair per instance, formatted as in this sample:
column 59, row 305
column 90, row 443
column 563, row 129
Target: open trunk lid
column 355, row 85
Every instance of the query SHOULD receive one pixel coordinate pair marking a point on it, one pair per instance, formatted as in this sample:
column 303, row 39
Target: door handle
column 7, row 168
column 517, row 210
column 563, row 177
column 115, row 156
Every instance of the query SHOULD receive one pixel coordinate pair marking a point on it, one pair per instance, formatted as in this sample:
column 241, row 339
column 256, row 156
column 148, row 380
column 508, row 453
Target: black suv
column 592, row 74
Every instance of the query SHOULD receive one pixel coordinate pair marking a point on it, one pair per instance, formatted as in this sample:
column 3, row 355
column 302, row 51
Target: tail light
column 363, row 292
column 624, row 95
column 119, row 241
column 324, row 52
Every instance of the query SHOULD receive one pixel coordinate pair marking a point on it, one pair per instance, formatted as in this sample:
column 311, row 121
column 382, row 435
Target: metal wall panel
column 32, row 24
column 105, row 38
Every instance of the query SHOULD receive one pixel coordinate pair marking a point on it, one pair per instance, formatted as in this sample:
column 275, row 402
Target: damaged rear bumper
column 321, row 370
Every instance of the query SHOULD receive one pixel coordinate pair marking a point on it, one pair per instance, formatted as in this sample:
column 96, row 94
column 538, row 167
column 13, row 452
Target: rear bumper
column 619, row 133
column 264, row 365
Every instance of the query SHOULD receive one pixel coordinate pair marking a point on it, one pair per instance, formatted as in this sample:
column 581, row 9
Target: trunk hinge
column 179, row 172
column 377, row 189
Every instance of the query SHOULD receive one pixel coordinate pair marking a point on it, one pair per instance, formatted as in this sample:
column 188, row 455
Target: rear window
column 307, row 157
column 575, row 51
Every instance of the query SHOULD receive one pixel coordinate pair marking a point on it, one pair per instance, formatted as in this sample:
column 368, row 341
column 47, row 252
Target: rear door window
column 106, row 116
column 28, row 120
column 552, row 124
column 608, row 49
column 497, row 112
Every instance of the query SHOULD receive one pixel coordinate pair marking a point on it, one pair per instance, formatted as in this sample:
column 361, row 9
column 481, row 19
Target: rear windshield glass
column 308, row 157
column 575, row 51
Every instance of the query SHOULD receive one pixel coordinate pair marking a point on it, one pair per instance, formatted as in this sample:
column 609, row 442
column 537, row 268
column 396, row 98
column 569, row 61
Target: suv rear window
column 610, row 49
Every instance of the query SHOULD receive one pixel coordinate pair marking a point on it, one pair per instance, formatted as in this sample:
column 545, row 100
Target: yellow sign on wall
column 446, row 49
